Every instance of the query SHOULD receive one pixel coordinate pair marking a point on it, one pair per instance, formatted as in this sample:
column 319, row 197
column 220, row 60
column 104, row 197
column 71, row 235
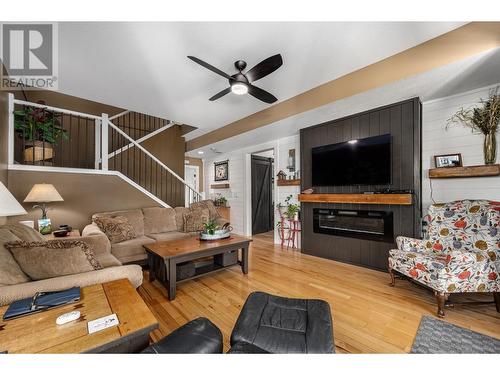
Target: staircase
column 44, row 137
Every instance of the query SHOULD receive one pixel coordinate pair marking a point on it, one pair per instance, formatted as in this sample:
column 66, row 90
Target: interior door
column 191, row 178
column 262, row 200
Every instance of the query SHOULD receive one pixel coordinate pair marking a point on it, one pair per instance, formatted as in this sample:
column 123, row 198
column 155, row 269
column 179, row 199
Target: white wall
column 280, row 163
column 436, row 140
column 239, row 193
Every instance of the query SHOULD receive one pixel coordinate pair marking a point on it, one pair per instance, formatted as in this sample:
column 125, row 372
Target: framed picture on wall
column 450, row 160
column 221, row 170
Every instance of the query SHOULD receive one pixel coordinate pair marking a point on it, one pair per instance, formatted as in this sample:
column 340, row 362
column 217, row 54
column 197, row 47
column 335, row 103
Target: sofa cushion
column 194, row 219
column 131, row 248
column 108, row 260
column 134, row 217
column 24, row 232
column 159, row 220
column 10, row 272
column 117, row 229
column 43, row 260
column 169, row 236
column 11, row 293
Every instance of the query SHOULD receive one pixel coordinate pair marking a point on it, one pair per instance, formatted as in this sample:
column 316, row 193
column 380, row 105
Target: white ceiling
column 143, row 66
column 474, row 72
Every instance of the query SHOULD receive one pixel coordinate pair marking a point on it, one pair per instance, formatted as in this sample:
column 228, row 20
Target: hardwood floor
column 369, row 316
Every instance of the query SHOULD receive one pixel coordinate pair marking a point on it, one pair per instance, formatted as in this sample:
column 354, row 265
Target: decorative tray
column 218, row 235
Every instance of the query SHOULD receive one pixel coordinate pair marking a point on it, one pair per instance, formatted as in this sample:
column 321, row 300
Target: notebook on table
column 41, row 301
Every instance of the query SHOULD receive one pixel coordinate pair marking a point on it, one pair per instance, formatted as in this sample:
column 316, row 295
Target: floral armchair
column 460, row 251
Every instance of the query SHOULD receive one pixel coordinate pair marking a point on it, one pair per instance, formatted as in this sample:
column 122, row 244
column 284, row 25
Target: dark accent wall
column 403, row 121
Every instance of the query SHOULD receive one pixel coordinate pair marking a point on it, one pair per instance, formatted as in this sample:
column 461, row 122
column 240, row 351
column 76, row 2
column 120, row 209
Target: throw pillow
column 194, row 219
column 208, row 204
column 44, row 260
column 10, row 272
column 117, row 229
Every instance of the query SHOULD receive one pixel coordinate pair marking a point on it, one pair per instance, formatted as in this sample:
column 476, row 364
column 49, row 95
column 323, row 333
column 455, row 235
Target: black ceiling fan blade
column 264, row 68
column 261, row 94
column 210, row 67
column 220, row 94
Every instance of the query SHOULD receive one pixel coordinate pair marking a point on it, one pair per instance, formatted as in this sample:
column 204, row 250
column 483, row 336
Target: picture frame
column 221, row 170
column 448, row 160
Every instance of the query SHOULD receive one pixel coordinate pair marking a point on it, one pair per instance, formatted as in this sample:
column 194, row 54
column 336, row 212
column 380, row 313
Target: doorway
column 191, row 176
column 262, row 191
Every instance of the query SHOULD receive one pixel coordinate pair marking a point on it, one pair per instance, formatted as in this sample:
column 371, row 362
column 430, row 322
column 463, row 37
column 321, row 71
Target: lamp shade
column 43, row 193
column 9, row 206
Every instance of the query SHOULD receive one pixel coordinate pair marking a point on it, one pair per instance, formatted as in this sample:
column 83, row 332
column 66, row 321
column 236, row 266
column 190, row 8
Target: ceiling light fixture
column 239, row 88
column 353, row 141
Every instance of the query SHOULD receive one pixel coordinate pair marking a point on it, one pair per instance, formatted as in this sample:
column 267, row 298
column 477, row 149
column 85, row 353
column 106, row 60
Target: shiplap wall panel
column 438, row 140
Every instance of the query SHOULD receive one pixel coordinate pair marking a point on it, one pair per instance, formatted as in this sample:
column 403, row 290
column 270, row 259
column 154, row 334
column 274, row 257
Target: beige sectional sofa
column 150, row 225
column 14, row 284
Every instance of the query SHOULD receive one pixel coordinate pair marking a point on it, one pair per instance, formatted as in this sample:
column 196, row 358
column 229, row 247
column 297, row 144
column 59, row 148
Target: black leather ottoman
column 199, row 336
column 275, row 324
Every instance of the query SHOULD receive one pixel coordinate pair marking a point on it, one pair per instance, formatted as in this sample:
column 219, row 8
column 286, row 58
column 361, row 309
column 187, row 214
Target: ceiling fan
column 241, row 83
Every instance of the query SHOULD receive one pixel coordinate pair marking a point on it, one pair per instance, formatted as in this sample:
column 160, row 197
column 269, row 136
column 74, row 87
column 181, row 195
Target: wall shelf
column 464, row 172
column 397, row 199
column 219, row 186
column 288, row 182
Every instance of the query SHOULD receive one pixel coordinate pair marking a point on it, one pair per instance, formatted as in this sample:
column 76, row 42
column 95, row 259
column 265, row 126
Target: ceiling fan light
column 239, row 88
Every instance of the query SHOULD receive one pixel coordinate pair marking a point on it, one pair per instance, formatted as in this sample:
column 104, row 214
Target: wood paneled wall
column 403, row 121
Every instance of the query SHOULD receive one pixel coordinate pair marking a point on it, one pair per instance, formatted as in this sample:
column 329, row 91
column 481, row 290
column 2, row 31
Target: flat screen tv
column 364, row 161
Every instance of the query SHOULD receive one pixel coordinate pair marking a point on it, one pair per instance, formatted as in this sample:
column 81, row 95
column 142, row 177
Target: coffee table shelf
column 206, row 270
column 164, row 256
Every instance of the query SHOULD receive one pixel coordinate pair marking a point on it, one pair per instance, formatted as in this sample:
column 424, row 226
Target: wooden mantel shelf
column 288, row 182
column 219, row 186
column 463, row 172
column 398, row 199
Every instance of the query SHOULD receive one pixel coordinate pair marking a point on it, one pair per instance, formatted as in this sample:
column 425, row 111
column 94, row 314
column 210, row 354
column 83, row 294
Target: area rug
column 436, row 336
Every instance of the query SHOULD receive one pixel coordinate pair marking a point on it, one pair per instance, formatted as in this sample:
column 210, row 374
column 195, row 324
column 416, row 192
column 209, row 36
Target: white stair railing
column 193, row 195
column 102, row 130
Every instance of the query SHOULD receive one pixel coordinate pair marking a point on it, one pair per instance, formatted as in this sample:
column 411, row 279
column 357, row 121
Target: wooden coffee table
column 164, row 256
column 39, row 333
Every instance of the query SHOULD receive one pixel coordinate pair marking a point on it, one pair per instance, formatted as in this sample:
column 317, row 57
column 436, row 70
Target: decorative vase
column 490, row 148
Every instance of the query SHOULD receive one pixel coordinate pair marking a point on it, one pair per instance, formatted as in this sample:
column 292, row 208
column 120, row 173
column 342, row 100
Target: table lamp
column 9, row 206
column 42, row 194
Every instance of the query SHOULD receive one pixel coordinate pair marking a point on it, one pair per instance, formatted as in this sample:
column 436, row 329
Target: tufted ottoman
column 275, row 324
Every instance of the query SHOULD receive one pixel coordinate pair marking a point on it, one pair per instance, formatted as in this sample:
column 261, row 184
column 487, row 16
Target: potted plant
column 40, row 130
column 483, row 119
column 289, row 210
column 220, row 200
column 210, row 227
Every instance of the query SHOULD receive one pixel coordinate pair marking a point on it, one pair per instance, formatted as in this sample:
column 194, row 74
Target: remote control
column 68, row 317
